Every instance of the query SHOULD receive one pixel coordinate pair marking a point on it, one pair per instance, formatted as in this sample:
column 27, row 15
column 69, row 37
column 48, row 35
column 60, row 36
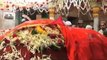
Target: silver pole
column 96, row 23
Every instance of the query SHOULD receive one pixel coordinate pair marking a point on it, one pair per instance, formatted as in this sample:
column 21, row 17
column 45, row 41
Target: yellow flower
column 40, row 30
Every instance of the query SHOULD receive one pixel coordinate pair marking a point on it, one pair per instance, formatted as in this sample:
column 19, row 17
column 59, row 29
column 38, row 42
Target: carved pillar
column 52, row 13
column 95, row 13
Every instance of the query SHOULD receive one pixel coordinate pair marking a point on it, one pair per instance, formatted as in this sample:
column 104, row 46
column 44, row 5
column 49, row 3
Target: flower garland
column 34, row 39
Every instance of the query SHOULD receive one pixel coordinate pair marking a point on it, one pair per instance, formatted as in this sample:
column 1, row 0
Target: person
column 21, row 15
column 88, row 27
column 31, row 13
column 103, row 28
column 80, row 23
column 25, row 18
column 68, row 23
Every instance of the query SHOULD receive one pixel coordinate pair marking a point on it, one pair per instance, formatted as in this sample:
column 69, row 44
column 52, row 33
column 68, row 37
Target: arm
column 25, row 16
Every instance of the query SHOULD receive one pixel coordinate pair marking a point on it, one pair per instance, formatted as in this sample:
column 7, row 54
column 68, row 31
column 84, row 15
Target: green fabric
column 19, row 16
column 45, row 15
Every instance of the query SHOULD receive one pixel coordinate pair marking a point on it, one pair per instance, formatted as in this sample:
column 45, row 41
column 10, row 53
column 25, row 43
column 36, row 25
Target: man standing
column 103, row 28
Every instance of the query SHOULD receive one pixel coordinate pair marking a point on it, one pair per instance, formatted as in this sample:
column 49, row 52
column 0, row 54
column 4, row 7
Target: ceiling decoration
column 104, row 5
column 41, row 5
column 83, row 6
column 64, row 6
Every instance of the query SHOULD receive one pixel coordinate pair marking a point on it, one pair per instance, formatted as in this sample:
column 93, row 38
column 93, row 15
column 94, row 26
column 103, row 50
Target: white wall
column 6, row 23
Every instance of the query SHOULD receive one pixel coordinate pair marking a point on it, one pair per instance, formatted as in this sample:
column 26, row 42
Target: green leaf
column 34, row 32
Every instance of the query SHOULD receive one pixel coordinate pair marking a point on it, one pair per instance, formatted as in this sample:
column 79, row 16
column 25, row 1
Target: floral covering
column 32, row 38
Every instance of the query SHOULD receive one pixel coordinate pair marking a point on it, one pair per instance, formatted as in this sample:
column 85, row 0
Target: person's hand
column 25, row 16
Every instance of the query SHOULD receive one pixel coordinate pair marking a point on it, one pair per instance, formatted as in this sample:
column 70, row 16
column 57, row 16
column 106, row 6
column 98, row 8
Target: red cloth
column 82, row 44
column 85, row 45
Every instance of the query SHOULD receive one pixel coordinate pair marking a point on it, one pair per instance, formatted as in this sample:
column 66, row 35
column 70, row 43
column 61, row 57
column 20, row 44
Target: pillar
column 52, row 13
column 95, row 13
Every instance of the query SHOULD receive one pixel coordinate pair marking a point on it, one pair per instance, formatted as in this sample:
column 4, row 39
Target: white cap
column 67, row 23
column 88, row 27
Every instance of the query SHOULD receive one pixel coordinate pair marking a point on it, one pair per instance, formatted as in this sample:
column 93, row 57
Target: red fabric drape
column 82, row 44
